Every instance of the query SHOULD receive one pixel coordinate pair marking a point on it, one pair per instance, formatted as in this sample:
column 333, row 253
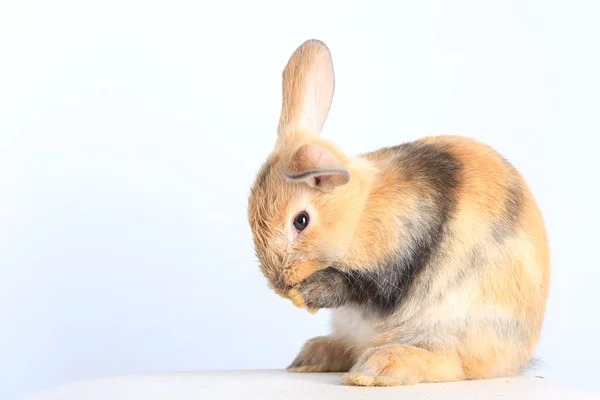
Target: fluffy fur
column 433, row 254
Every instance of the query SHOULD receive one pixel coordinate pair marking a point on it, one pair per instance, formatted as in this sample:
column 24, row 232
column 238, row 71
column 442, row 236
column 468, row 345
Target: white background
column 131, row 131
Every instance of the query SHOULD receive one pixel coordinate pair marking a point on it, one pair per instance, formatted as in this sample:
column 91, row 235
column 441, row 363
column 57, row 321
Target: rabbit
column 432, row 256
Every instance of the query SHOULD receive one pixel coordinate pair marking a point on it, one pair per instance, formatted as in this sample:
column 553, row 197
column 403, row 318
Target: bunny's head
column 305, row 203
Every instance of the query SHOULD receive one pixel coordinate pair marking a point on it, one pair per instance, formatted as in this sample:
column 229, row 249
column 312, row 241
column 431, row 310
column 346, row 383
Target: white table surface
column 248, row 385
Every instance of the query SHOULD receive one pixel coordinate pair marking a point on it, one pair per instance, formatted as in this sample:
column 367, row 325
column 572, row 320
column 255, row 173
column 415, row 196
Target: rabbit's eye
column 301, row 221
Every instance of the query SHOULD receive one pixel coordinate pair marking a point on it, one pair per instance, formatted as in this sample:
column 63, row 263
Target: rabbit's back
column 471, row 266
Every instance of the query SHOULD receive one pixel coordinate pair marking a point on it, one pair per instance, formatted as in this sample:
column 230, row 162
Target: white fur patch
column 349, row 323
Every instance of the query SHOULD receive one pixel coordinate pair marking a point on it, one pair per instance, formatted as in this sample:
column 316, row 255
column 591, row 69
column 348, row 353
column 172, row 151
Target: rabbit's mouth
column 298, row 271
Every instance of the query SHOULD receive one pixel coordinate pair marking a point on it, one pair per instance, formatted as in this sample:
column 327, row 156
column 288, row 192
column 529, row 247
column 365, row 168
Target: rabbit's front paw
column 323, row 354
column 327, row 288
column 395, row 365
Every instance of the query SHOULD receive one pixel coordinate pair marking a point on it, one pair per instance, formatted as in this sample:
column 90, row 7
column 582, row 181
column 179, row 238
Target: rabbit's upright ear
column 308, row 85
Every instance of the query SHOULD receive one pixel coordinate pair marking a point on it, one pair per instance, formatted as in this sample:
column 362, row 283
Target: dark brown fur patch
column 436, row 172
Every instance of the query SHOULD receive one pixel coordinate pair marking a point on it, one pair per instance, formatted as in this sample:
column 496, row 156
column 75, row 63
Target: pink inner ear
column 310, row 111
column 318, row 167
column 318, row 94
column 312, row 157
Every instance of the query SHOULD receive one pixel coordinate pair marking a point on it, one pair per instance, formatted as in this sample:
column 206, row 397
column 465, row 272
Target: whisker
column 388, row 281
column 246, row 262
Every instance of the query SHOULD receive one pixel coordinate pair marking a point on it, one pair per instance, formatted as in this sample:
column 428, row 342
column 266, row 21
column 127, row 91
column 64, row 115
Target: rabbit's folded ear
column 318, row 167
column 308, row 85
